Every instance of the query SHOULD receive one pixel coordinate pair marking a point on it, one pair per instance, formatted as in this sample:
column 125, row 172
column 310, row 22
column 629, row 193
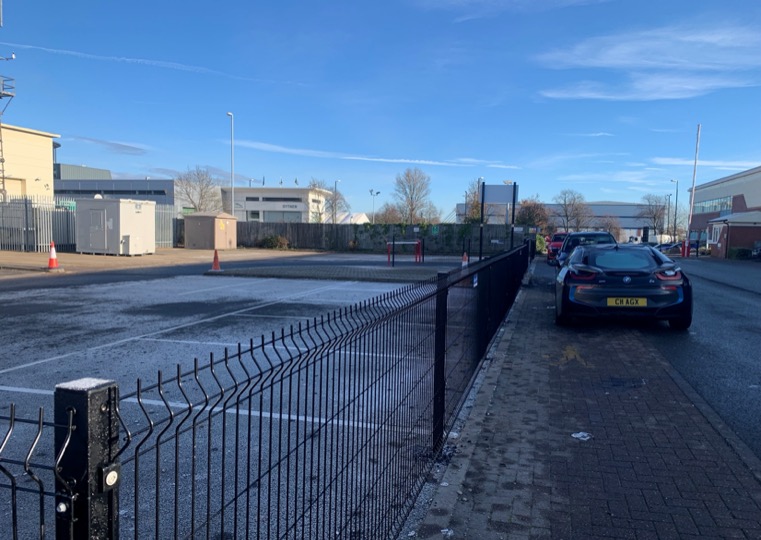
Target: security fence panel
column 328, row 429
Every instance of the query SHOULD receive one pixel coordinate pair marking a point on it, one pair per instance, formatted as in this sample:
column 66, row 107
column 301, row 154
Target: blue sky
column 600, row 96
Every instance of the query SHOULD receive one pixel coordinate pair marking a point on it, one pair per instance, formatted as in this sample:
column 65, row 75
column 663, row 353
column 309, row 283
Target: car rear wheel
column 680, row 323
column 561, row 318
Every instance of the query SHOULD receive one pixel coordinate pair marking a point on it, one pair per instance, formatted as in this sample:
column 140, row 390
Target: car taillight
column 577, row 273
column 672, row 274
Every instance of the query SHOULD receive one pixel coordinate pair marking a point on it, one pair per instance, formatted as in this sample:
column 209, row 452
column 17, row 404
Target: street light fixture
column 232, row 163
column 373, row 194
column 676, row 205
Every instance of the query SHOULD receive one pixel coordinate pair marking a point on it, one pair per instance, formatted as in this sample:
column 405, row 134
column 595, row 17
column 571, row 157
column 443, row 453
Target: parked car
column 669, row 247
column 553, row 246
column 623, row 280
column 572, row 240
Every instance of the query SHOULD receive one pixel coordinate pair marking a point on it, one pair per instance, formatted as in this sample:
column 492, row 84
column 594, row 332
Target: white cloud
column 728, row 165
column 674, row 62
column 649, row 87
column 175, row 66
column 595, row 134
column 459, row 162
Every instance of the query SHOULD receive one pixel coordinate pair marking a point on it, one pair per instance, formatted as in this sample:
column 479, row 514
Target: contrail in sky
column 176, row 66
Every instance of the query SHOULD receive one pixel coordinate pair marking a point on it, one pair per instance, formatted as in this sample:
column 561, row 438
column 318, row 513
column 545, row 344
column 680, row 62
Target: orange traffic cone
column 215, row 265
column 464, row 259
column 53, row 259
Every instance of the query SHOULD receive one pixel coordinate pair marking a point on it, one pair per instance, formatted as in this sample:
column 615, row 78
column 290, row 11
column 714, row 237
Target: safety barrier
column 328, row 429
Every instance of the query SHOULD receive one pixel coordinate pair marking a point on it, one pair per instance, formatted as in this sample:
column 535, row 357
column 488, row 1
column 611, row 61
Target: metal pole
column 512, row 223
column 481, row 227
column 439, row 367
column 87, row 475
column 692, row 195
column 232, row 163
column 676, row 205
column 668, row 212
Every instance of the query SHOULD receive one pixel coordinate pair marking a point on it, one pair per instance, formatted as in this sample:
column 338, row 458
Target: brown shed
column 211, row 230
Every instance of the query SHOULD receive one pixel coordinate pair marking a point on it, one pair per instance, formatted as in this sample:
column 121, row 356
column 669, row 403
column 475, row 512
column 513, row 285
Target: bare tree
column 473, row 202
column 412, row 191
column 388, row 214
column 610, row 224
column 198, row 190
column 573, row 212
column 654, row 212
column 334, row 204
column 532, row 212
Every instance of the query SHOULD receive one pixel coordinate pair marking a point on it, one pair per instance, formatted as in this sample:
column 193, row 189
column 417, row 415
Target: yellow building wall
column 28, row 161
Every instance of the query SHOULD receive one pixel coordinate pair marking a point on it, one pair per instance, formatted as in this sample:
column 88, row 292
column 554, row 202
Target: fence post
column 87, row 476
column 439, row 358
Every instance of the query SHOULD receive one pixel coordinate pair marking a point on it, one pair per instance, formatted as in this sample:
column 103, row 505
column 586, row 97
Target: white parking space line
column 280, row 317
column 280, row 300
column 189, row 342
column 260, row 414
column 20, row 390
column 236, row 285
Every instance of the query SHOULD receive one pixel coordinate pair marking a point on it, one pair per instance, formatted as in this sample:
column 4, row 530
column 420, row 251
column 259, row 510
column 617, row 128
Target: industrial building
column 726, row 213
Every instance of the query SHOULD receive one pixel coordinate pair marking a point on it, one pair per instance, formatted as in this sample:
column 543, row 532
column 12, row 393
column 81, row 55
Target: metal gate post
column 439, row 358
column 87, row 476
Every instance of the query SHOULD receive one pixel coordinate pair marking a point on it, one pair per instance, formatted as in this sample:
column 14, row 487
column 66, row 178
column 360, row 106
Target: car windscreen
column 622, row 260
column 574, row 241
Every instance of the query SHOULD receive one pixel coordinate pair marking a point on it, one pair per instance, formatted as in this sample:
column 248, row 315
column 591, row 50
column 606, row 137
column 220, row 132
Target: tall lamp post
column 668, row 212
column 676, row 205
column 374, row 194
column 335, row 199
column 232, row 163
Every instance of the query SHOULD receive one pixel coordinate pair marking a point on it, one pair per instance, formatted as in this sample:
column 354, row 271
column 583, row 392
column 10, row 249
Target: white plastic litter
column 582, row 436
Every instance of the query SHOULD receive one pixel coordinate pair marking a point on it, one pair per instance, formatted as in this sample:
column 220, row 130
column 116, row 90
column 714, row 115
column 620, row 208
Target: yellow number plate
column 627, row 302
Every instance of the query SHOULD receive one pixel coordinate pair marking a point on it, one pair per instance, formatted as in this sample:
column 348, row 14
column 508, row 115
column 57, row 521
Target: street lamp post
column 335, row 199
column 373, row 194
column 676, row 205
column 668, row 212
column 232, row 163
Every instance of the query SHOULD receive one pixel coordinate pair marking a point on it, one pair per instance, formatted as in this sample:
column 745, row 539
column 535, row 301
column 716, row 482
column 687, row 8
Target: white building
column 278, row 204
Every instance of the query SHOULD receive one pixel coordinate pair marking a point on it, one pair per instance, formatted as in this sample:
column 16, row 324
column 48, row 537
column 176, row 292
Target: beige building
column 28, row 167
column 279, row 204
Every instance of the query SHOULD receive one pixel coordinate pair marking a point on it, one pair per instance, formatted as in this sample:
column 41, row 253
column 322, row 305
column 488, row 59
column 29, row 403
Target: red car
column 554, row 246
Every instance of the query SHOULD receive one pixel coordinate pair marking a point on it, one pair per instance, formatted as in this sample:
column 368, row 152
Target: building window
column 716, row 234
column 281, row 199
column 723, row 205
column 252, row 199
column 253, row 215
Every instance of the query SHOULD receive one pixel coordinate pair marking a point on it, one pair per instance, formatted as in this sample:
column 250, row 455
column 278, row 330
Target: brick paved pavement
column 658, row 465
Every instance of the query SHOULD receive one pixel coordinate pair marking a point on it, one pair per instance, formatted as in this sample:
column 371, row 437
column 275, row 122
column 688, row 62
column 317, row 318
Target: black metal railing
column 325, row 430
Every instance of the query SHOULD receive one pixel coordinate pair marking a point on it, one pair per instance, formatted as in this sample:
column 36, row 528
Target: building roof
column 730, row 178
column 745, row 218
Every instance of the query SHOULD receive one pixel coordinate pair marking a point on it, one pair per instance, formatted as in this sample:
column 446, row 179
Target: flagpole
column 692, row 197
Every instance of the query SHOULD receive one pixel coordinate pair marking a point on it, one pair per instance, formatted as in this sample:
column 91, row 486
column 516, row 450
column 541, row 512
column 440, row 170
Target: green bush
column 541, row 246
column 740, row 253
column 274, row 242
